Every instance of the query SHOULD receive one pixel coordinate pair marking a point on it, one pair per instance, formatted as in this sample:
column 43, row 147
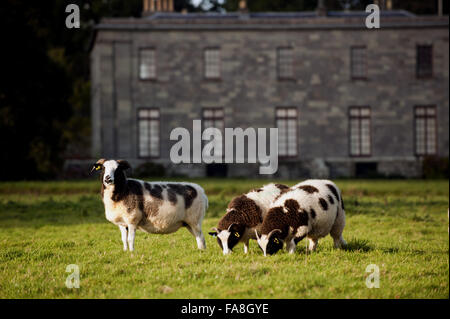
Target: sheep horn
column 273, row 231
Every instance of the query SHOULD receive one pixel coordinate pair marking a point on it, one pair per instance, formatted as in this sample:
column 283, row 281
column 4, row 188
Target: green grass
column 398, row 225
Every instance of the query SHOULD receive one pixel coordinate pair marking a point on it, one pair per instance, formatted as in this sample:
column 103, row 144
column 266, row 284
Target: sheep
column 312, row 209
column 153, row 207
column 244, row 215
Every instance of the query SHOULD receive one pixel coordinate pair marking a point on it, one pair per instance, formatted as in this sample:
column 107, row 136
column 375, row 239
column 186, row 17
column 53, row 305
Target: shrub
column 150, row 169
column 435, row 167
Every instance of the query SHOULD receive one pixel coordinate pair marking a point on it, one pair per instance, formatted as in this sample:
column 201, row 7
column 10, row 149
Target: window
column 424, row 61
column 285, row 63
column 286, row 122
column 147, row 65
column 148, row 124
column 425, row 130
column 214, row 117
column 212, row 63
column 360, row 137
column 358, row 62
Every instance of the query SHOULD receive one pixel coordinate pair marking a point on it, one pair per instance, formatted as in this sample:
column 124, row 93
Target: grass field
column 398, row 225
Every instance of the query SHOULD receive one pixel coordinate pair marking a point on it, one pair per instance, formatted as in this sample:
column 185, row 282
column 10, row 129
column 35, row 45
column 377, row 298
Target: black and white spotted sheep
column 312, row 209
column 153, row 207
column 244, row 215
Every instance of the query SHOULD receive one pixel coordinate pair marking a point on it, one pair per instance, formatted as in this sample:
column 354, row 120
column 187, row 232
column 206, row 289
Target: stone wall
column 249, row 91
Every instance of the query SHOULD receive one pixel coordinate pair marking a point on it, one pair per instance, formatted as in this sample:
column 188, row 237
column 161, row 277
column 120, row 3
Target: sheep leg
column 337, row 229
column 131, row 235
column 246, row 243
column 124, row 231
column 339, row 242
column 312, row 244
column 196, row 231
column 290, row 246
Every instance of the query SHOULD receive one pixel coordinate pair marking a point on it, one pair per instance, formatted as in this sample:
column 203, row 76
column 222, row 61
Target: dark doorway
column 365, row 170
column 216, row 170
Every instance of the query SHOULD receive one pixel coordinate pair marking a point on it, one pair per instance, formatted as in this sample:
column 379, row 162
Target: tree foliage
column 34, row 92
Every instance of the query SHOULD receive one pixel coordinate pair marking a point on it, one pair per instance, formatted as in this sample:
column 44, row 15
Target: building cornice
column 264, row 22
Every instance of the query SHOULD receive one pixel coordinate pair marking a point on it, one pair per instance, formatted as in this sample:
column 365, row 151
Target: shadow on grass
column 362, row 245
column 414, row 251
column 88, row 209
column 390, row 250
column 358, row 245
column 353, row 245
column 390, row 207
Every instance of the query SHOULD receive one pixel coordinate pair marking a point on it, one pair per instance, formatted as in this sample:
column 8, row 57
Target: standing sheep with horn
column 153, row 207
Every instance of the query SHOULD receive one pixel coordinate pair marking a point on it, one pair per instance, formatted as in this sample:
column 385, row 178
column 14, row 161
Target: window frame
column 281, row 77
column 219, row 64
column 139, row 135
column 297, row 130
column 358, row 77
column 150, row 79
column 359, row 117
column 431, row 71
column 222, row 118
column 426, row 117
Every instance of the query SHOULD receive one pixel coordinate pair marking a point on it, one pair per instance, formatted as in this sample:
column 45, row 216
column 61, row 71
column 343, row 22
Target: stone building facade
column 347, row 100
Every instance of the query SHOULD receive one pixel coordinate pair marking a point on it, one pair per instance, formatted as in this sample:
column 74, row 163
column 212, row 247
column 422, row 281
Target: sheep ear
column 124, row 164
column 231, row 227
column 257, row 237
column 215, row 232
column 101, row 161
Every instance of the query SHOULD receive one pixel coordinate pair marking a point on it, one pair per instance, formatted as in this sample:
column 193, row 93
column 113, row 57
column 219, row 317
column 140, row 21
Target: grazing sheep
column 153, row 207
column 312, row 209
column 244, row 215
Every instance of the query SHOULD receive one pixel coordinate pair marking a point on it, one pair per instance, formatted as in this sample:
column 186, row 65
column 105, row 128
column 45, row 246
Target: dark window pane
column 148, row 126
column 286, row 121
column 147, row 65
column 358, row 62
column 285, row 63
column 425, row 130
column 360, row 137
column 212, row 63
column 424, row 61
